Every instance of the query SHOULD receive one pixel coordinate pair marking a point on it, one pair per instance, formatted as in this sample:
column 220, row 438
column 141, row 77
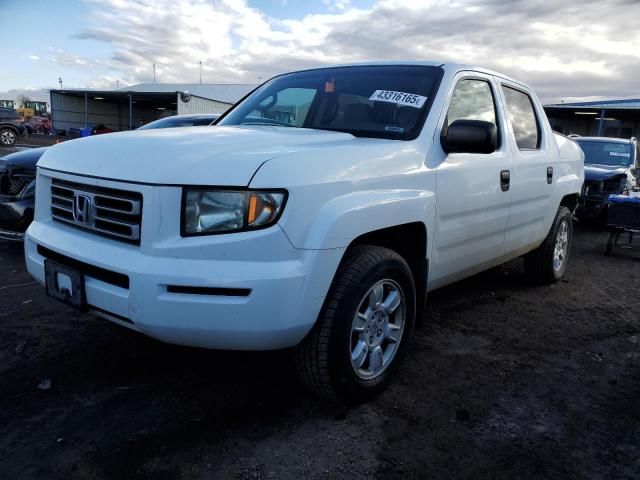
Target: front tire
column 8, row 137
column 548, row 262
column 364, row 326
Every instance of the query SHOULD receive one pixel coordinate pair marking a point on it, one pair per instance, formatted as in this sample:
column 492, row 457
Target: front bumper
column 592, row 207
column 286, row 286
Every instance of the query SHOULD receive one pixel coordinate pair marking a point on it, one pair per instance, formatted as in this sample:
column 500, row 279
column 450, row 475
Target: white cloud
column 563, row 49
column 34, row 57
column 337, row 4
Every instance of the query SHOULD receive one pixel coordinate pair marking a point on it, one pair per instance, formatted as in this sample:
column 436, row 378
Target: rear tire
column 364, row 326
column 548, row 262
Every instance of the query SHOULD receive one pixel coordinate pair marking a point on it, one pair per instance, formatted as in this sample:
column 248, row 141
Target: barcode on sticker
column 399, row 98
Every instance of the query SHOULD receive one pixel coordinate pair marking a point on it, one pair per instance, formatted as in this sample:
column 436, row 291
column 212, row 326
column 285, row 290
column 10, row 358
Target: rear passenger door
column 472, row 208
column 534, row 171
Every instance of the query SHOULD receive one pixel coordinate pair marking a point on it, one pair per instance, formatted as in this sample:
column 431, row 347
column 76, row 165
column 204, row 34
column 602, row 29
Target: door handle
column 549, row 175
column 505, row 180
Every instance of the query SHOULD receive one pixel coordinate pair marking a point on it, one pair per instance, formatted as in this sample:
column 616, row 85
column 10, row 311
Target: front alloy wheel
column 363, row 328
column 7, row 137
column 377, row 329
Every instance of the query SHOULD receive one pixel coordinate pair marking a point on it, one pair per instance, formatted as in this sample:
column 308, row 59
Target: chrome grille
column 105, row 211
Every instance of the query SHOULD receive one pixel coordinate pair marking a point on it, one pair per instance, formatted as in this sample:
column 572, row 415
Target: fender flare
column 345, row 218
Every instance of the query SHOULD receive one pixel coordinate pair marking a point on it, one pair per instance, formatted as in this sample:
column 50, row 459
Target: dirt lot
column 505, row 381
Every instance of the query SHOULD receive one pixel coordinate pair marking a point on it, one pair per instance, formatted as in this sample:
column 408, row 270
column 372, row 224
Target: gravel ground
column 505, row 380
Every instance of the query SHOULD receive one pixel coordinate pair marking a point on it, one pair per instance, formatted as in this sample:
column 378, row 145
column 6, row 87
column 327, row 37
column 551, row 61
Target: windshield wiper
column 273, row 124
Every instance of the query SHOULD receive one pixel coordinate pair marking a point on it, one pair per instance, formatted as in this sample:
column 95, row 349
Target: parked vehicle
column 17, row 192
column 11, row 127
column 30, row 108
column 38, row 125
column 101, row 129
column 324, row 235
column 182, row 121
column 611, row 167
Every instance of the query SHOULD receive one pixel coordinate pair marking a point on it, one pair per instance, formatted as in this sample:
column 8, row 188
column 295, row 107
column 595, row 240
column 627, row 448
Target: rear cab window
column 523, row 117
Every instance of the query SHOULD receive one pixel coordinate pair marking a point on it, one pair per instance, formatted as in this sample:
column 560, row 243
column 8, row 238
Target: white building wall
column 201, row 105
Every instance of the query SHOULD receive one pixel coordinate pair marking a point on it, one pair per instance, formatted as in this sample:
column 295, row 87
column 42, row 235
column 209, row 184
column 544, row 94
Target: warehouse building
column 605, row 118
column 136, row 105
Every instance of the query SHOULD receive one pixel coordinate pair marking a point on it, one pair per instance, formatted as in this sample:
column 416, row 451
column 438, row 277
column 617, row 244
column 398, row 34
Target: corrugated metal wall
column 201, row 105
column 68, row 112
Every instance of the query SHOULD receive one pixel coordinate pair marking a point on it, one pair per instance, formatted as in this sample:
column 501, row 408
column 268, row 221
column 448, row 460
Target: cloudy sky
column 564, row 49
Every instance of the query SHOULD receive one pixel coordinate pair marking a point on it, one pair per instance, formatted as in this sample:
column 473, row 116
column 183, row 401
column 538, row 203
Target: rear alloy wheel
column 363, row 328
column 8, row 137
column 561, row 247
column 548, row 262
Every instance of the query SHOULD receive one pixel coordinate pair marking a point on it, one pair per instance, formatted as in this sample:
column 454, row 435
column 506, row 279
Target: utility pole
column 154, row 73
column 117, row 84
column 200, row 72
column 60, row 82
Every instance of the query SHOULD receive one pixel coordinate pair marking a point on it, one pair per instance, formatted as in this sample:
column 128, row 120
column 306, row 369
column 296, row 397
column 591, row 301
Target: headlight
column 224, row 211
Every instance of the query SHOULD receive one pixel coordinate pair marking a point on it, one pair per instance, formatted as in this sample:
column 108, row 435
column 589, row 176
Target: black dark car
column 17, row 192
column 11, row 126
column 611, row 166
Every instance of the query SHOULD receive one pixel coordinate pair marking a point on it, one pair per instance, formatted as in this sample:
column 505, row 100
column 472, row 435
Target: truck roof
column 605, row 139
column 453, row 67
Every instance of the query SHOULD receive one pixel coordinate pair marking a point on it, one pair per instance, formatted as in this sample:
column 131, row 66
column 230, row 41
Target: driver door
column 473, row 201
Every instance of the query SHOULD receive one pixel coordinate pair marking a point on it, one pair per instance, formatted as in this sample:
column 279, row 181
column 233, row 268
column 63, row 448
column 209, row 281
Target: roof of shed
column 222, row 92
column 624, row 104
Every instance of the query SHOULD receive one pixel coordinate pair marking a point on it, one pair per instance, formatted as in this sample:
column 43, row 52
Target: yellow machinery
column 31, row 108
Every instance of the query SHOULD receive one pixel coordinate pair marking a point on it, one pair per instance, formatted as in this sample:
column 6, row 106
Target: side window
column 526, row 127
column 472, row 100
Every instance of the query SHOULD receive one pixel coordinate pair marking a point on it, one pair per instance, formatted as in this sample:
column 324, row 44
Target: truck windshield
column 606, row 153
column 390, row 101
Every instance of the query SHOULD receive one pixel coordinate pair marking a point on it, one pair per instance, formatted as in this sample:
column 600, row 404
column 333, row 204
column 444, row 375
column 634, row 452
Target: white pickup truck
column 316, row 214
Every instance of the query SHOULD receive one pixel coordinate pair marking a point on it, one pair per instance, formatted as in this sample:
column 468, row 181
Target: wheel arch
column 570, row 201
column 409, row 240
column 10, row 127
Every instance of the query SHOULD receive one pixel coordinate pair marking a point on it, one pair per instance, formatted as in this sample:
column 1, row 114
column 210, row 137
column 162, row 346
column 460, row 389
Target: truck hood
column 602, row 172
column 207, row 155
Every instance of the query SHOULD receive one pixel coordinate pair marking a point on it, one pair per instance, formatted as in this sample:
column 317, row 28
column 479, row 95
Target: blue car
column 611, row 167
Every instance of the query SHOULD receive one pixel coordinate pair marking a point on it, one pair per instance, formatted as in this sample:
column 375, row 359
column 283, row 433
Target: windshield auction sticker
column 399, row 98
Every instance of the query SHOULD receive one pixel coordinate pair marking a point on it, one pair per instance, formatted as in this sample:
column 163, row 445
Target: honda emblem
column 82, row 209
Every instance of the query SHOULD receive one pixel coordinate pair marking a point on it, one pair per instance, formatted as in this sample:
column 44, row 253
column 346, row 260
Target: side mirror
column 470, row 136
